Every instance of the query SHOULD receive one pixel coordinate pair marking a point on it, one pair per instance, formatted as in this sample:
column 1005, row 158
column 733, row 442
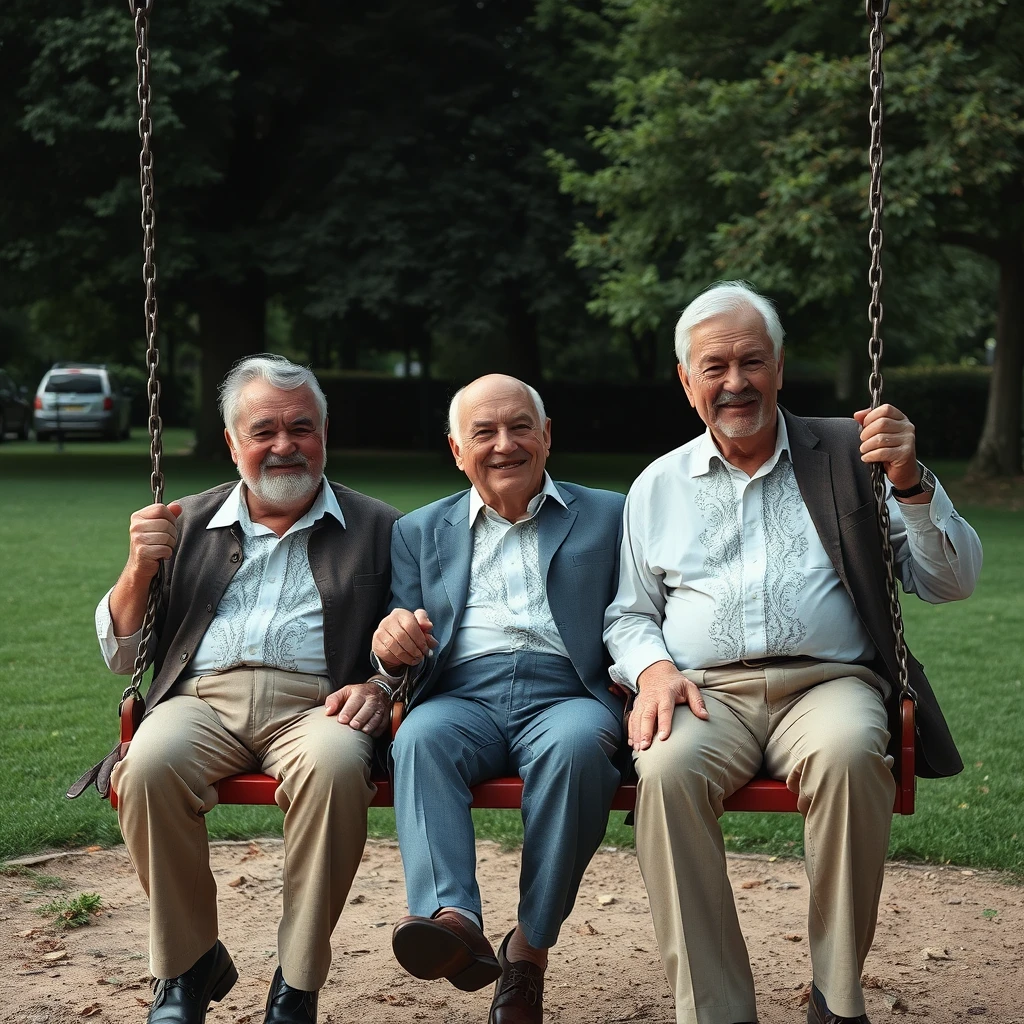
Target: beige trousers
column 219, row 725
column 821, row 727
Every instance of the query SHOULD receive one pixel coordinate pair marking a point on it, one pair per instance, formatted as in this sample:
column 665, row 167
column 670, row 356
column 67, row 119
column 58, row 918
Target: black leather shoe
column 287, row 1005
column 519, row 993
column 819, row 1013
column 186, row 998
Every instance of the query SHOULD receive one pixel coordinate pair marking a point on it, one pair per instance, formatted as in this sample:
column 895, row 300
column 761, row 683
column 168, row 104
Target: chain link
column 141, row 10
column 876, row 11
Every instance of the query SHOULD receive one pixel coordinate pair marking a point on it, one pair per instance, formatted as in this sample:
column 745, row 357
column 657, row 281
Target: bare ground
column 949, row 946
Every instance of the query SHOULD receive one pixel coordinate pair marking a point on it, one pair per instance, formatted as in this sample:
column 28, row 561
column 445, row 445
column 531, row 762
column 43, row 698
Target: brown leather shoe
column 519, row 994
column 819, row 1013
column 446, row 945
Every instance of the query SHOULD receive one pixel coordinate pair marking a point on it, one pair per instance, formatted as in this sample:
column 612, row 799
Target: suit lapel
column 454, row 554
column 813, row 469
column 555, row 523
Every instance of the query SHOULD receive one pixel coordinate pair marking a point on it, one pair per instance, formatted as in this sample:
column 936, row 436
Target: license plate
column 71, row 408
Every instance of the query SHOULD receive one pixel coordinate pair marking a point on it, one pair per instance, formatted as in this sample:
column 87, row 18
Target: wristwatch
column 926, row 483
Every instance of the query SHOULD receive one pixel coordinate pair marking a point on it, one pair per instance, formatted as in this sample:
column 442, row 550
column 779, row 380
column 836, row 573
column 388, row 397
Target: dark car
column 15, row 410
column 81, row 398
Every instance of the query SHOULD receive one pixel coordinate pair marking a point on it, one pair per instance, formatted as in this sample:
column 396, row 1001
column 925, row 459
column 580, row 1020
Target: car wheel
column 23, row 432
column 3, row 429
column 41, row 435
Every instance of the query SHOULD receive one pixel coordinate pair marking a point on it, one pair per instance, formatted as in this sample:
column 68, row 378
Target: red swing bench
column 760, row 794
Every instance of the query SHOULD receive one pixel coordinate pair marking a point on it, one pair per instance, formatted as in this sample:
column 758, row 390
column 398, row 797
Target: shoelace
column 520, row 979
column 290, row 998
column 162, row 985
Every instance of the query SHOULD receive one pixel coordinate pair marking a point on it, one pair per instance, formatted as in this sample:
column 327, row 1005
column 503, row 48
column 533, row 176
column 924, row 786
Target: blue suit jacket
column 431, row 550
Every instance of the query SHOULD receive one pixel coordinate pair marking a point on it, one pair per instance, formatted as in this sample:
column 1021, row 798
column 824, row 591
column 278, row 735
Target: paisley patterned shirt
column 719, row 567
column 270, row 613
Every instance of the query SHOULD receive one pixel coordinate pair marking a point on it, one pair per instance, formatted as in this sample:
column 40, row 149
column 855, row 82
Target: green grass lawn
column 63, row 539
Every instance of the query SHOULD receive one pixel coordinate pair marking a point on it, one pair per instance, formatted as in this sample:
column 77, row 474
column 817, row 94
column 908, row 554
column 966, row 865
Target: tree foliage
column 738, row 149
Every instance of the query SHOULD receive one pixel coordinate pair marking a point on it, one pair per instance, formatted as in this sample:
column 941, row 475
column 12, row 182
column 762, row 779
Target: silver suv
column 81, row 398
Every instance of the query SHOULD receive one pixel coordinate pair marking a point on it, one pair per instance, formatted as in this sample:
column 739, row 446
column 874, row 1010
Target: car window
column 75, row 384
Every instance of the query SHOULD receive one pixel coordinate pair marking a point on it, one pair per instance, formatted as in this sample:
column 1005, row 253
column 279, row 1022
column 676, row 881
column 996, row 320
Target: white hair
column 726, row 297
column 453, row 408
column 275, row 370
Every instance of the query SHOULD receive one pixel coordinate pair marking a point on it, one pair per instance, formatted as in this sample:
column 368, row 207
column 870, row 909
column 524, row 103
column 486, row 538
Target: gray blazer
column 836, row 487
column 431, row 551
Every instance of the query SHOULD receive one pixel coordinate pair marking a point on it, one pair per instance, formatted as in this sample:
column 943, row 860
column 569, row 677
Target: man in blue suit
column 505, row 586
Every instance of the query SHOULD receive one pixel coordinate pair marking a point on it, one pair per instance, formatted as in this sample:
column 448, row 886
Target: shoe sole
column 430, row 951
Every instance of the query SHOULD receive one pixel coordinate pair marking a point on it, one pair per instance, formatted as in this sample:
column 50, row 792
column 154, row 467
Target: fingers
column 403, row 638
column 363, row 708
column 696, row 700
column 888, row 437
column 152, row 536
column 423, row 621
column 655, row 707
column 649, row 713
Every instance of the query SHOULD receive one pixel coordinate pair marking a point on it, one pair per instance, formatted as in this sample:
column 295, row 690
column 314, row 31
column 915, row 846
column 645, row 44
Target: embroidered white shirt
column 270, row 613
column 507, row 605
column 718, row 567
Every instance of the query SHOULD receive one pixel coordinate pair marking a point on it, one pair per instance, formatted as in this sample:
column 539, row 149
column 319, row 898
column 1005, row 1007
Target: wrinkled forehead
column 496, row 403
column 262, row 404
column 740, row 329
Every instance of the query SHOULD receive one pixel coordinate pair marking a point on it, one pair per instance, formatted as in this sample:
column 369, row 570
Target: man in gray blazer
column 271, row 591
column 505, row 586
column 752, row 619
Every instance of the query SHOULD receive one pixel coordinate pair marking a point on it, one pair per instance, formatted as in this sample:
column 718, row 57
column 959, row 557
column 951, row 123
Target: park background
column 408, row 194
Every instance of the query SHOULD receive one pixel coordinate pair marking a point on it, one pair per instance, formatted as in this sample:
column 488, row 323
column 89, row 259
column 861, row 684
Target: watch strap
column 926, row 483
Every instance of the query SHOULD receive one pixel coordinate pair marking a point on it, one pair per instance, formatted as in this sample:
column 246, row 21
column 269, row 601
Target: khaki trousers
column 822, row 727
column 219, row 725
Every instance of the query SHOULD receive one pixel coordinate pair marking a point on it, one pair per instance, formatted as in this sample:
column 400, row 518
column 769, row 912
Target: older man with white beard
column 251, row 673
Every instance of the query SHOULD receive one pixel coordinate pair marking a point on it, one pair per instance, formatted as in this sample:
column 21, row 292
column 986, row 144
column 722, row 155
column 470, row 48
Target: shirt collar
column 549, row 490
column 234, row 510
column 706, row 450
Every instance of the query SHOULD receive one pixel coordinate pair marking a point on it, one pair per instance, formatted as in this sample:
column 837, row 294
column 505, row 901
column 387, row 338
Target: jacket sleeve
column 938, row 553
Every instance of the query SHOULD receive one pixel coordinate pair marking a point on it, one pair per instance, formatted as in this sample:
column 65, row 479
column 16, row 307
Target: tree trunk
column 232, row 324
column 645, row 354
column 999, row 450
column 524, row 359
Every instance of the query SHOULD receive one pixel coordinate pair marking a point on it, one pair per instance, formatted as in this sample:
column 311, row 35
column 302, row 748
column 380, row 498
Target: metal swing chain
column 876, row 12
column 141, row 10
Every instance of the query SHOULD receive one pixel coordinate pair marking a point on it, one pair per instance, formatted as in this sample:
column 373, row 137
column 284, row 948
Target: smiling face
column 734, row 377
column 502, row 444
column 278, row 444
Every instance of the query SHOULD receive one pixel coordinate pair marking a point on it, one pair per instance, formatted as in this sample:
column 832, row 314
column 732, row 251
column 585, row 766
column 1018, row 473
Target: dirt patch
column 949, row 946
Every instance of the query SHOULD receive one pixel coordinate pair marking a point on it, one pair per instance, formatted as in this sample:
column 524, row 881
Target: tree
column 376, row 172
column 739, row 144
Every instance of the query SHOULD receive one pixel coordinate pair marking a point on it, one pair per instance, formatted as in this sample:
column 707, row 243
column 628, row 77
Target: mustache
column 271, row 461
column 738, row 397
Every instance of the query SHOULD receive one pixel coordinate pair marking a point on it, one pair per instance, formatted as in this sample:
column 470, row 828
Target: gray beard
column 285, row 491
column 743, row 429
